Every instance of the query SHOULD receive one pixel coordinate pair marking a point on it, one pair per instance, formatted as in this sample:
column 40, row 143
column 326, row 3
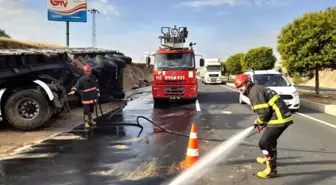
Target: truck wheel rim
column 28, row 109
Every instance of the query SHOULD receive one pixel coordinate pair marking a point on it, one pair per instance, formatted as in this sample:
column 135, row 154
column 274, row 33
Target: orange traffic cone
column 192, row 151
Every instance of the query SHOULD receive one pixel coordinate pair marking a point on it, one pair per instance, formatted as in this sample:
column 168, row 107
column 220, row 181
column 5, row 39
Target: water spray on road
column 214, row 157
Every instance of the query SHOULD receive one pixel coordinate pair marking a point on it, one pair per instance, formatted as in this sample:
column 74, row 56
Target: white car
column 279, row 83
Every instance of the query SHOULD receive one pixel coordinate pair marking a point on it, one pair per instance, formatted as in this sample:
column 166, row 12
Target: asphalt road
column 307, row 150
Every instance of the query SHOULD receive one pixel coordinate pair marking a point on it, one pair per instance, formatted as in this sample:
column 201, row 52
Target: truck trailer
column 174, row 75
column 34, row 82
column 211, row 72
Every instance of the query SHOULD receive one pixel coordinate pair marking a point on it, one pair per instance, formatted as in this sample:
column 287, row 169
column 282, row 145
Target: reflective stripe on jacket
column 88, row 89
column 271, row 109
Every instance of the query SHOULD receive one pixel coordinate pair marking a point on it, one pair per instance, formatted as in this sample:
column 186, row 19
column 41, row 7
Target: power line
column 93, row 11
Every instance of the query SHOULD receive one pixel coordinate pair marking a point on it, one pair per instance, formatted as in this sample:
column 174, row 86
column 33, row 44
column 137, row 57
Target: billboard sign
column 67, row 10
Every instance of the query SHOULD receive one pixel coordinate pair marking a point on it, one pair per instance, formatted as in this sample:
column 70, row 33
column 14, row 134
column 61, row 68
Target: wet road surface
column 115, row 155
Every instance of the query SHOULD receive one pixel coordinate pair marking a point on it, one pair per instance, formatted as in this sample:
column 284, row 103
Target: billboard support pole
column 67, row 34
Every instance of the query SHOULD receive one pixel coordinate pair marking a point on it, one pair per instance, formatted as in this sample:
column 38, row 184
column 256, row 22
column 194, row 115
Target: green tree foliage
column 309, row 43
column 233, row 63
column 222, row 64
column 3, row 33
column 260, row 58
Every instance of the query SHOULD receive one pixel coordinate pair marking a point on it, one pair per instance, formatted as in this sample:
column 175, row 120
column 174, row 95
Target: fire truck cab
column 174, row 75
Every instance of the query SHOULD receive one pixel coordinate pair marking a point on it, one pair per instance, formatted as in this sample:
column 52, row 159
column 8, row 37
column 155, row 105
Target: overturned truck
column 34, row 82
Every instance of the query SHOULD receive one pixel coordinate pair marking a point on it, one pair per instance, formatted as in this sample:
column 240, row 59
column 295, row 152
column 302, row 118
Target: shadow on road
column 290, row 149
column 229, row 97
column 316, row 177
column 245, row 161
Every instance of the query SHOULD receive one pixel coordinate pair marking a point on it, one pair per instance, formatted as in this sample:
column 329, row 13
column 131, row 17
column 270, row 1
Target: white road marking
column 232, row 89
column 298, row 113
column 198, row 107
column 323, row 122
column 226, row 112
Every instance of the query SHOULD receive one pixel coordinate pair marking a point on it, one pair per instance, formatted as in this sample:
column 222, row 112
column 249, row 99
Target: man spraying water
column 273, row 113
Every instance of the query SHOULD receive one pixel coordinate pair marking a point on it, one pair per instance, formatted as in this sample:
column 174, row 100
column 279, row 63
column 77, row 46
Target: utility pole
column 93, row 11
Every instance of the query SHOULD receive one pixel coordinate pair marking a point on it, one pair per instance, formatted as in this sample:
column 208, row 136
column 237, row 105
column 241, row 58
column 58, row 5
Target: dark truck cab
column 34, row 82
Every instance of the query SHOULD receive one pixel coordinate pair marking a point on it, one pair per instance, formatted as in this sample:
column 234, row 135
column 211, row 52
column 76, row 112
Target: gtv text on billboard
column 67, row 10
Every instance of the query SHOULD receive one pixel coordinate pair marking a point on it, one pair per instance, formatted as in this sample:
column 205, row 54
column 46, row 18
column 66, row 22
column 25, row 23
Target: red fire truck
column 174, row 75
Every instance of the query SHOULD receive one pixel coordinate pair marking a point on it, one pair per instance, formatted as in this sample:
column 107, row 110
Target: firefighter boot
column 91, row 120
column 262, row 160
column 86, row 122
column 270, row 171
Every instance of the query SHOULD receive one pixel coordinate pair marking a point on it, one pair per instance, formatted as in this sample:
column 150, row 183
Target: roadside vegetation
column 306, row 45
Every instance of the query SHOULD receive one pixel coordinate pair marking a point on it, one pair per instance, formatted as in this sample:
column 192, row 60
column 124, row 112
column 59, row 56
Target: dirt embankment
column 137, row 75
column 7, row 43
column 327, row 79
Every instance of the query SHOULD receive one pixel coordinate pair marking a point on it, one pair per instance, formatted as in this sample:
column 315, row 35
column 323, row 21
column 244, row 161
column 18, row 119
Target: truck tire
column 29, row 101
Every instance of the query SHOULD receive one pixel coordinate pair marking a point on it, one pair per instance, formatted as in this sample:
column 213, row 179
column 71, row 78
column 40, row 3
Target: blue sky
column 219, row 27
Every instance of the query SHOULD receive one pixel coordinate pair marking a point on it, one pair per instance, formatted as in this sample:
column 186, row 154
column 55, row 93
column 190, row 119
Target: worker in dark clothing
column 88, row 88
column 273, row 113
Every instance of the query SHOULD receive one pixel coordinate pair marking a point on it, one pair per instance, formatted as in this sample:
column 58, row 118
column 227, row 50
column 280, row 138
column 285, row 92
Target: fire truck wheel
column 160, row 102
column 193, row 100
column 27, row 109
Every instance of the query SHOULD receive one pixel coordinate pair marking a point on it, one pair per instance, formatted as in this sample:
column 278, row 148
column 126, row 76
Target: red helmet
column 241, row 79
column 87, row 69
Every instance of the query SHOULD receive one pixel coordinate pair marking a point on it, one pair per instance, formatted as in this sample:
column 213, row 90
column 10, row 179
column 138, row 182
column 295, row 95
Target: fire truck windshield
column 174, row 61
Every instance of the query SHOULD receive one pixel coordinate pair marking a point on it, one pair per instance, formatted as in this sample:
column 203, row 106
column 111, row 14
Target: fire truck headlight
column 191, row 74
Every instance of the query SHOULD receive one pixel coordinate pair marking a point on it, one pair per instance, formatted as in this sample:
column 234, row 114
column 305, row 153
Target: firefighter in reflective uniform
column 273, row 113
column 88, row 87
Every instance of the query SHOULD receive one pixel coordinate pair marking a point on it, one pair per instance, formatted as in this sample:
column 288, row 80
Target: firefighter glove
column 71, row 93
column 256, row 126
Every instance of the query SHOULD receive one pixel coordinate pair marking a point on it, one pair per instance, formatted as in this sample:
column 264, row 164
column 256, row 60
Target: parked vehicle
column 279, row 83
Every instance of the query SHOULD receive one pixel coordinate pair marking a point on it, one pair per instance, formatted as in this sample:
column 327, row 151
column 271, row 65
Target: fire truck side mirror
column 148, row 60
column 201, row 62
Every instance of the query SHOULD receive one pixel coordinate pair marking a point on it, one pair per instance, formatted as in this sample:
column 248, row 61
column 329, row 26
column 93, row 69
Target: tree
column 3, row 33
column 309, row 43
column 222, row 64
column 233, row 63
column 260, row 58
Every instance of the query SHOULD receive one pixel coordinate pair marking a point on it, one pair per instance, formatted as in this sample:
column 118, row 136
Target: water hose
column 98, row 105
column 154, row 124
column 186, row 135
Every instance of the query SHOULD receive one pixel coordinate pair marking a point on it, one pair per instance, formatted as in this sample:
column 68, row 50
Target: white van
column 279, row 83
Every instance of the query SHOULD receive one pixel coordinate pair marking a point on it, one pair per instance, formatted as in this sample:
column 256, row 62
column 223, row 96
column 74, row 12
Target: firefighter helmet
column 241, row 79
column 87, row 69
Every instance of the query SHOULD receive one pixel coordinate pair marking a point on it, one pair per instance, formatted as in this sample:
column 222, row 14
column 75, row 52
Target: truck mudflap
column 2, row 91
column 56, row 93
